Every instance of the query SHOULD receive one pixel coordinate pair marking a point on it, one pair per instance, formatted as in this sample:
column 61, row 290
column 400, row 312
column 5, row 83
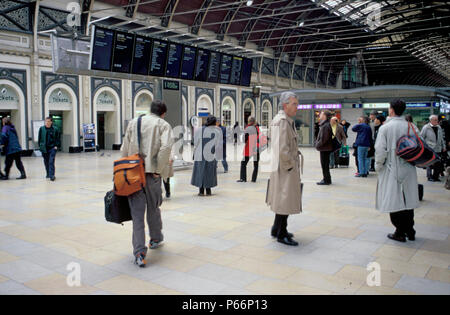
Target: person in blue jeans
column 363, row 141
column 49, row 142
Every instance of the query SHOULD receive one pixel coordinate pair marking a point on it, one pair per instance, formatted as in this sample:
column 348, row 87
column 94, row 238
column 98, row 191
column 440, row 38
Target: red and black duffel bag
column 415, row 151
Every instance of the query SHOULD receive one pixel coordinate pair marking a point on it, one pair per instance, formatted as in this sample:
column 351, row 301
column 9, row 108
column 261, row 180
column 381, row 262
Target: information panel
column 201, row 65
column 102, row 44
column 214, row 67
column 246, row 77
column 174, row 60
column 123, row 51
column 225, row 69
column 236, row 69
column 188, row 65
column 142, row 55
column 158, row 60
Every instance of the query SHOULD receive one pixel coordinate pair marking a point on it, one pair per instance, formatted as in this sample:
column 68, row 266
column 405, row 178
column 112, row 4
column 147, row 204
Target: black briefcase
column 117, row 209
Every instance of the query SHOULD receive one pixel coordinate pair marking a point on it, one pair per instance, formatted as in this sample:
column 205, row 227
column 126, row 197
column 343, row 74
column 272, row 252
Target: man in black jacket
column 324, row 145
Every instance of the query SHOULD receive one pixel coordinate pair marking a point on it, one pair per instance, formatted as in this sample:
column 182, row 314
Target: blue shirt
column 364, row 138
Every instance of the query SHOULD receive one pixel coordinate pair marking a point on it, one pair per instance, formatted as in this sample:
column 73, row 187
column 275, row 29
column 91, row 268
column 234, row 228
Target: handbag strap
column 139, row 135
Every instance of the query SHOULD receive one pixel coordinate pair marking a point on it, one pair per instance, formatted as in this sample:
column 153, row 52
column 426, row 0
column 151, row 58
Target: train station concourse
column 223, row 148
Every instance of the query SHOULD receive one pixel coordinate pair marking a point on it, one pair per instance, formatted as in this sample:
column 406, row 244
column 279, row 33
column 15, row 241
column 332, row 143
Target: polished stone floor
column 215, row 245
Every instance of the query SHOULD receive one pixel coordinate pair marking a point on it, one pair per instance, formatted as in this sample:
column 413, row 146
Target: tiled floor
column 215, row 245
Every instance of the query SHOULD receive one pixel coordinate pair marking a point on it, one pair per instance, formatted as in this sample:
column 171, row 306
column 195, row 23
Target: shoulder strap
column 139, row 136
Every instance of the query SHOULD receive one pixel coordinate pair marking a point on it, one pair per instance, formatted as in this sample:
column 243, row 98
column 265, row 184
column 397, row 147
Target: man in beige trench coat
column 284, row 188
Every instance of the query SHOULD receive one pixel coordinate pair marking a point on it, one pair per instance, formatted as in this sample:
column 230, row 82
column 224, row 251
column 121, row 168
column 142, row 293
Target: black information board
column 236, row 70
column 102, row 45
column 123, row 51
column 214, row 67
column 225, row 69
column 174, row 60
column 142, row 55
column 188, row 64
column 159, row 56
column 246, row 77
column 201, row 65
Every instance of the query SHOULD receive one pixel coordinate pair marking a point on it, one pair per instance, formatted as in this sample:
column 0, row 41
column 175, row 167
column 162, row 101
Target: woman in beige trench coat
column 284, row 188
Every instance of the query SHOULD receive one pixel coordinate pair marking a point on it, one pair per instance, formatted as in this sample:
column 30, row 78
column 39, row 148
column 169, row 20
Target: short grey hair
column 285, row 97
column 251, row 120
column 434, row 116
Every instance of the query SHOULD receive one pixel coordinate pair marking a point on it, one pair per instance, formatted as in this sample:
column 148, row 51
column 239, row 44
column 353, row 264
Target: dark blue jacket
column 10, row 140
column 364, row 138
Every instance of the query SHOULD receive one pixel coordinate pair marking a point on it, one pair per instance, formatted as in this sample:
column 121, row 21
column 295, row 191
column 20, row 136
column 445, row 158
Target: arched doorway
column 266, row 114
column 61, row 104
column 228, row 112
column 106, row 107
column 142, row 103
column 248, row 110
column 11, row 98
column 204, row 105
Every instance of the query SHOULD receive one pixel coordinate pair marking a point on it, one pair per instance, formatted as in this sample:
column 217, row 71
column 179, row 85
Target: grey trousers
column 152, row 198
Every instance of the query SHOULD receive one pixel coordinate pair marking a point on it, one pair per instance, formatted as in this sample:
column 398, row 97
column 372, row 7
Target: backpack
column 415, row 151
column 129, row 172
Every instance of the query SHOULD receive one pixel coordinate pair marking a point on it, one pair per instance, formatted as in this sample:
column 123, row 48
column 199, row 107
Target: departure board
column 142, row 55
column 201, row 65
column 174, row 60
column 188, row 64
column 159, row 56
column 225, row 69
column 236, row 69
column 214, row 67
column 123, row 52
column 101, row 49
column 246, row 72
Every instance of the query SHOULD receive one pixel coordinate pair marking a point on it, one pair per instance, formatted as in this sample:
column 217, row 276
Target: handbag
column 415, row 151
column 117, row 208
column 336, row 144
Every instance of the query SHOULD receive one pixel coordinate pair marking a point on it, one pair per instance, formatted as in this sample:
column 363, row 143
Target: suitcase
column 344, row 161
column 420, row 192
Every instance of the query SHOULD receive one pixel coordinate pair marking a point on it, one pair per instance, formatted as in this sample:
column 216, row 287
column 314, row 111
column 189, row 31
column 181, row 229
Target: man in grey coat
column 284, row 188
column 433, row 135
column 397, row 187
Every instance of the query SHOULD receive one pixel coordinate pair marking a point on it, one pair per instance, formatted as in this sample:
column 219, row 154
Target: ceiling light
column 249, row 3
column 301, row 23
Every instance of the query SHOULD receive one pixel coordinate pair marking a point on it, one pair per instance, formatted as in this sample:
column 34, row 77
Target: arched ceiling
column 400, row 41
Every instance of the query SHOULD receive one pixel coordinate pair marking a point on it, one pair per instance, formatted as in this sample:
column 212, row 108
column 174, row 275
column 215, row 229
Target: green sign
column 171, row 85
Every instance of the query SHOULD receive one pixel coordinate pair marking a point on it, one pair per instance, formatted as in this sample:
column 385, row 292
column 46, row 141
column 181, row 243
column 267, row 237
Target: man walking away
column 324, row 145
column 251, row 150
column 284, row 188
column 433, row 135
column 397, row 179
column 10, row 140
column 49, row 141
column 156, row 146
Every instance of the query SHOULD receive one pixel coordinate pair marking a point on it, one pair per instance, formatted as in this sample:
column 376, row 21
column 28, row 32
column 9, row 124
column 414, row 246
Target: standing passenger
column 397, row 179
column 433, row 135
column 224, row 145
column 363, row 142
column 324, row 144
column 284, row 188
column 251, row 150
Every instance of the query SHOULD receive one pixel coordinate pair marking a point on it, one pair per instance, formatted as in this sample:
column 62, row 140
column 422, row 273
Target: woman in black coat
column 207, row 151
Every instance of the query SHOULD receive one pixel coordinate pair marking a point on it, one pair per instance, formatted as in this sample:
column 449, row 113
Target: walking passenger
column 10, row 141
column 251, row 150
column 284, row 188
column 207, row 151
column 397, row 180
column 156, row 146
column 49, row 141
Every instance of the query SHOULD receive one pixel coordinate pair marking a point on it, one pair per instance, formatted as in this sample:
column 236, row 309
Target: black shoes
column 287, row 241
column 396, row 237
column 52, row 178
column 274, row 233
column 411, row 236
column 241, row 181
column 323, row 183
column 23, row 176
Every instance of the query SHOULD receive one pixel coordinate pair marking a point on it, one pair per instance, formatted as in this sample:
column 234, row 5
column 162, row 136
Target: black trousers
column 10, row 158
column 244, row 168
column 403, row 222
column 325, row 162
column 167, row 185
column 280, row 226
